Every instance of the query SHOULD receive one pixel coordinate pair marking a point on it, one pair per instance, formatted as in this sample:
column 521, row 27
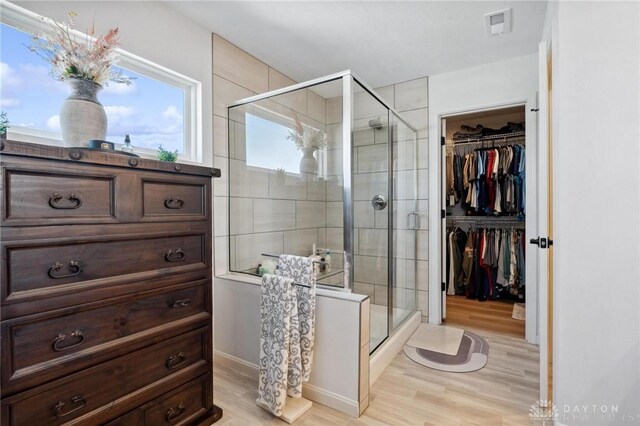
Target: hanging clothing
column 486, row 263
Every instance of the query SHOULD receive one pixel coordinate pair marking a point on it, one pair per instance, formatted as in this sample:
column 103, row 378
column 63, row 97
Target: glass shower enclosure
column 327, row 168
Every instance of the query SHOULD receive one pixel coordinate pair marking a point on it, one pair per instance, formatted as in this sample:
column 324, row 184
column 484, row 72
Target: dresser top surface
column 86, row 156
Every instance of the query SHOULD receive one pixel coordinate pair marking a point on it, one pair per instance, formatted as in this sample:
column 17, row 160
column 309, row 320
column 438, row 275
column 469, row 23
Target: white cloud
column 54, row 122
column 9, row 103
column 171, row 113
column 120, row 89
column 8, row 76
column 118, row 112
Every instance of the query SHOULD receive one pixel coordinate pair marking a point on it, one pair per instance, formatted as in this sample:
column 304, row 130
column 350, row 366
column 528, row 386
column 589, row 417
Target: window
column 268, row 147
column 160, row 107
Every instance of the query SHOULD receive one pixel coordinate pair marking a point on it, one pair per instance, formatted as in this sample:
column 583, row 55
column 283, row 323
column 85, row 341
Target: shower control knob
column 379, row 202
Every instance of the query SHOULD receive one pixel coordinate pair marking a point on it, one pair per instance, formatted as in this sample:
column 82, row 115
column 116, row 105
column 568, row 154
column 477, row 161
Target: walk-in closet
column 484, row 239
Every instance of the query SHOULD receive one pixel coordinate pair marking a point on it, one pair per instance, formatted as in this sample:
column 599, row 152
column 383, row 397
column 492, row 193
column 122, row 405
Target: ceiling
column 383, row 42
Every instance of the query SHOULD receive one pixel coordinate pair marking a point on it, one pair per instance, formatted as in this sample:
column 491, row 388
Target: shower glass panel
column 285, row 180
column 328, row 166
column 371, row 195
column 406, row 220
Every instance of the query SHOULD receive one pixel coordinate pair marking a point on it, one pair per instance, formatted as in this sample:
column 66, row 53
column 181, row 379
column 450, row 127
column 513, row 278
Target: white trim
column 245, row 367
column 383, row 356
column 28, row 21
column 314, row 393
column 330, row 399
column 435, row 221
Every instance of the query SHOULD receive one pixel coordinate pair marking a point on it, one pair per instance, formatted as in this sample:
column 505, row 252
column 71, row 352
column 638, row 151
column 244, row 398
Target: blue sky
column 150, row 111
column 268, row 146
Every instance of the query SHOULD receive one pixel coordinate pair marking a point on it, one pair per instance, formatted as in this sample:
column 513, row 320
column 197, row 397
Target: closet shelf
column 507, row 137
column 487, row 220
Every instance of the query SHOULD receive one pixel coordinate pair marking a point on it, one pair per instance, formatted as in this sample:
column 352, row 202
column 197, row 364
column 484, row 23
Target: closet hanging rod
column 493, row 138
column 485, row 144
column 487, row 221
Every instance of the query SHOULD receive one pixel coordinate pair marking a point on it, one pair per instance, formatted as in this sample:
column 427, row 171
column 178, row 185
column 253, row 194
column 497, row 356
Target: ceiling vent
column 498, row 22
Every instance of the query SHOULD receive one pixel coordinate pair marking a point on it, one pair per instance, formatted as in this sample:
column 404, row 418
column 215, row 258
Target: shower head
column 375, row 123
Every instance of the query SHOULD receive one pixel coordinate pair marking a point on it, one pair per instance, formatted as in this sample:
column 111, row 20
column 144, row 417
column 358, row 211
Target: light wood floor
column 410, row 394
column 490, row 315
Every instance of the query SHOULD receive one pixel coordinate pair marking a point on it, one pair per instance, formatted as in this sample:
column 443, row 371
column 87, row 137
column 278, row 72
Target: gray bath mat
column 472, row 355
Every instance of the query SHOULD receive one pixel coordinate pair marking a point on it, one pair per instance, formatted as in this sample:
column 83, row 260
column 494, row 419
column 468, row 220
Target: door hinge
column 535, row 109
column 443, row 287
column 443, row 214
column 442, row 140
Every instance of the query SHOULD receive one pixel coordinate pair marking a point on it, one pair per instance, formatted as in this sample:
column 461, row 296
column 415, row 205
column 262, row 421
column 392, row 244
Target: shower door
column 405, row 220
column 372, row 202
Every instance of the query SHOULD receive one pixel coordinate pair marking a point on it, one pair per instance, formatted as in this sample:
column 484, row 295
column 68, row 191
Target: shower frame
column 348, row 78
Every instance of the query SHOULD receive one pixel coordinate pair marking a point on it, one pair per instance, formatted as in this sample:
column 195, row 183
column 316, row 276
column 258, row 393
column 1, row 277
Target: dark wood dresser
column 106, row 289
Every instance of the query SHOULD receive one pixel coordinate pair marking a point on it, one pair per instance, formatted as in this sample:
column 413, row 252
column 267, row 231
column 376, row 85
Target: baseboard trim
column 311, row 392
column 389, row 349
column 245, row 367
column 330, row 399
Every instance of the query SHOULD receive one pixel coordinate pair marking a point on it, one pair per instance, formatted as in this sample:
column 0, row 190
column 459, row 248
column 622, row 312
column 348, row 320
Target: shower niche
column 327, row 169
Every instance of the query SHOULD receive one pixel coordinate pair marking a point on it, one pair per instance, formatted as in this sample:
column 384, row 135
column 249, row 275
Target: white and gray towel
column 278, row 339
column 287, row 314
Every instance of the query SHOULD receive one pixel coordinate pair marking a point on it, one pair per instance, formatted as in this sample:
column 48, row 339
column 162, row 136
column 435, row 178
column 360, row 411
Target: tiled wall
column 238, row 75
column 274, row 211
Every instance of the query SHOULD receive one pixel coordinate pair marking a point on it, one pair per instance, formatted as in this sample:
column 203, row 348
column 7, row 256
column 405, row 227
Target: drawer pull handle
column 61, row 337
column 174, row 255
column 174, row 203
column 175, row 361
column 74, row 267
column 174, row 413
column 77, row 402
column 182, row 303
column 55, row 198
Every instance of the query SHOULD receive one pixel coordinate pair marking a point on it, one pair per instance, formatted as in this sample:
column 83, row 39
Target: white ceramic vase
column 308, row 163
column 82, row 116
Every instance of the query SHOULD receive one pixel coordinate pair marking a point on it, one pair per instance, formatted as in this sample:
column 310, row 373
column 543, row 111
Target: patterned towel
column 279, row 338
column 300, row 269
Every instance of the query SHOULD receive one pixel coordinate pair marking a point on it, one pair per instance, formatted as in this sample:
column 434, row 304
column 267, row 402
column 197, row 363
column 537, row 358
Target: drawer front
column 43, row 270
column 36, row 196
column 167, row 200
column 179, row 406
column 106, row 383
column 51, row 345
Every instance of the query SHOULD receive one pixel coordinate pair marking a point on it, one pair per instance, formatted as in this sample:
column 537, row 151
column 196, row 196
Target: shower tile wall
column 238, row 75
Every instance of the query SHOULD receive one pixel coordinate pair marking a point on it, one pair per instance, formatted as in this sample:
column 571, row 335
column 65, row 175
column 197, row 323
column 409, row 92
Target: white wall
column 152, row 31
column 487, row 86
column 596, row 74
column 335, row 379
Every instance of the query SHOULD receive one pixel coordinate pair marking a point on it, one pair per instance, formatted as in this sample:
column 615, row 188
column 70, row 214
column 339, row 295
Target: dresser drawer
column 38, row 348
column 189, row 404
column 46, row 194
column 171, row 200
column 178, row 407
column 41, row 270
column 108, row 385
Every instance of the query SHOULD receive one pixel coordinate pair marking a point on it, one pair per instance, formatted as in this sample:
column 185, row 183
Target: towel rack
column 295, row 283
column 277, row 257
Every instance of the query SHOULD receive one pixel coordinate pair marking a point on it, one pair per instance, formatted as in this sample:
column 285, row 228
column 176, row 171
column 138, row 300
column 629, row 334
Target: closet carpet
column 409, row 394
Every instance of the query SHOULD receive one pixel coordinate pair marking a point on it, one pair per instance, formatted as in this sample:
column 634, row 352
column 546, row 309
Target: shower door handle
column 416, row 221
column 379, row 202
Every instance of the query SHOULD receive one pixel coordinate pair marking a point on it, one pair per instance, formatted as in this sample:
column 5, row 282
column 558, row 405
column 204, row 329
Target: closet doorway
column 484, row 243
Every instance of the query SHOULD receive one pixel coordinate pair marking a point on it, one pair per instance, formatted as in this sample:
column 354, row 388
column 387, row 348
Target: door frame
column 437, row 224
